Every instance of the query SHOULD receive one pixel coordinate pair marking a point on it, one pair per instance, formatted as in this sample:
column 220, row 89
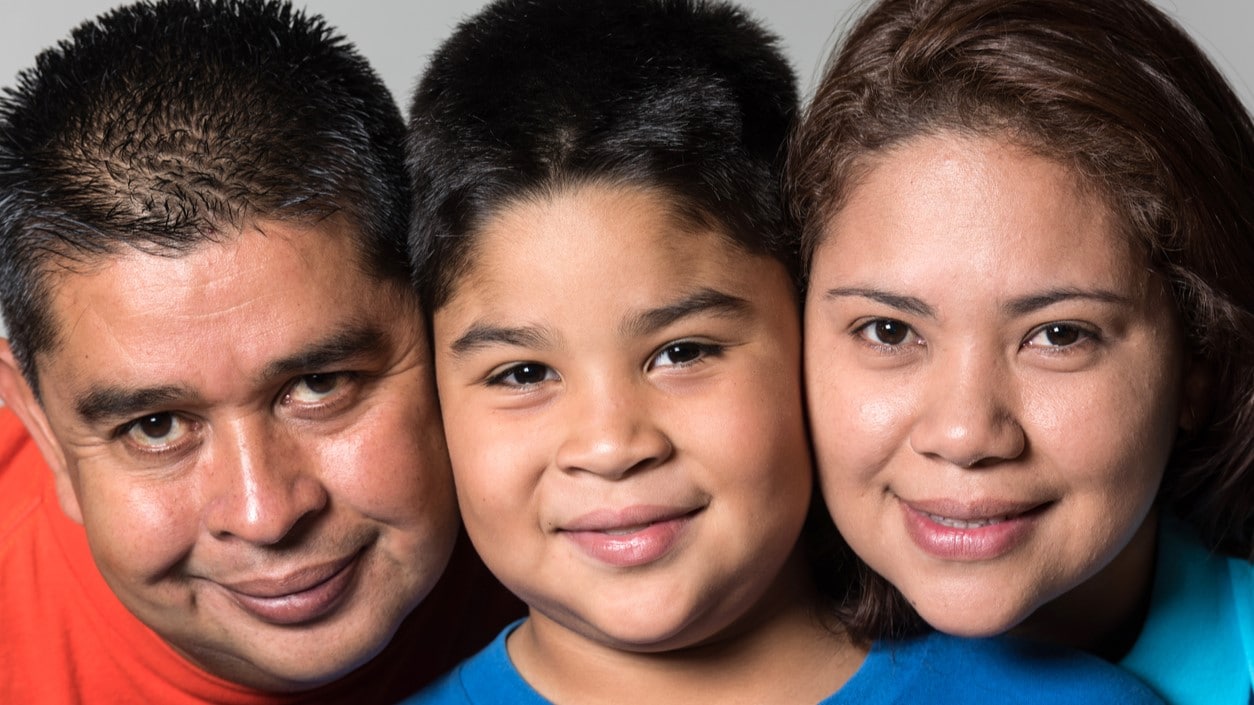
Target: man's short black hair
column 160, row 126
column 689, row 97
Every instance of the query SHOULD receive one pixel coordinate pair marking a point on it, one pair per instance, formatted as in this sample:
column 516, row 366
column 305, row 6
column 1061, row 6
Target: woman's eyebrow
column 1035, row 302
column 905, row 304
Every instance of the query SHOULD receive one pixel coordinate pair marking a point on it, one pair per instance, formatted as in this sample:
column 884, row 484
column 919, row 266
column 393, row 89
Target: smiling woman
column 972, row 413
column 1029, row 316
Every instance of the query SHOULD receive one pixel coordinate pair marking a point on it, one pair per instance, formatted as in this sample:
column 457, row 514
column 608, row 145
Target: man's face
column 250, row 437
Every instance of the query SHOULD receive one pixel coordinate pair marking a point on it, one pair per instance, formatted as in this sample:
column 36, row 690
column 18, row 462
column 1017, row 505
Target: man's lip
column 289, row 583
column 299, row 597
column 626, row 518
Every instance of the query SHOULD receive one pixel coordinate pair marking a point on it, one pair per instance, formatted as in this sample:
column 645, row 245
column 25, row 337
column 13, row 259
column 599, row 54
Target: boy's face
column 249, row 436
column 621, row 397
column 995, row 381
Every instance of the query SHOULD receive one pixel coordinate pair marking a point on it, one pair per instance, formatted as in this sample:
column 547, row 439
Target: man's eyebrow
column 108, row 403
column 705, row 301
column 1030, row 304
column 483, row 335
column 905, row 304
column 340, row 345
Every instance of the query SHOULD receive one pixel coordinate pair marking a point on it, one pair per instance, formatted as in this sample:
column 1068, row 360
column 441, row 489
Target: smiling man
column 216, row 348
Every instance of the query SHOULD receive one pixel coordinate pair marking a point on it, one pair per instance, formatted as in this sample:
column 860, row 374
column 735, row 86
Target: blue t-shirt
column 1197, row 644
column 930, row 669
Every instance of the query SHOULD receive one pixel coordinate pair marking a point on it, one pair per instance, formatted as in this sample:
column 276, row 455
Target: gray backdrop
column 398, row 36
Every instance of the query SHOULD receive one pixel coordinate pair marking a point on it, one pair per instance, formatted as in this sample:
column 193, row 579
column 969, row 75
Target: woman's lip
column 980, row 531
column 298, row 597
column 630, row 537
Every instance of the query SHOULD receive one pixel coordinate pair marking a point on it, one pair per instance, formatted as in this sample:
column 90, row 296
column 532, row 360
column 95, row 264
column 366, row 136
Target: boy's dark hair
column 687, row 97
column 162, row 126
column 1117, row 92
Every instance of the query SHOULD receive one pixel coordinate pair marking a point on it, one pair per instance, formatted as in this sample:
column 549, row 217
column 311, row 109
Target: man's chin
column 293, row 662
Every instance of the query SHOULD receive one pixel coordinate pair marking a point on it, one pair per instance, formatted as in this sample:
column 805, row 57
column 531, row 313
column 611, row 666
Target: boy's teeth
column 963, row 524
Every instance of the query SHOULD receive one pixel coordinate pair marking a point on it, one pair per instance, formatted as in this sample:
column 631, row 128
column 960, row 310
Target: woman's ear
column 16, row 393
column 1196, row 393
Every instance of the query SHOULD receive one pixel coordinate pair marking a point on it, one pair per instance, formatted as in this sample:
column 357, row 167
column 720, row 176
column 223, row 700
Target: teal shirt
column 1197, row 644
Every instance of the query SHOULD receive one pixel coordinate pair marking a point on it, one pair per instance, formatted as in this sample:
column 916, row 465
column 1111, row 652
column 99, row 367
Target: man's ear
column 18, row 396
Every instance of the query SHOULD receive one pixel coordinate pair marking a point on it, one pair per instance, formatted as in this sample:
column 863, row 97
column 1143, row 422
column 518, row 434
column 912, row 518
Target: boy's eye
column 523, row 374
column 683, row 353
column 1058, row 335
column 155, row 431
column 887, row 332
column 315, row 388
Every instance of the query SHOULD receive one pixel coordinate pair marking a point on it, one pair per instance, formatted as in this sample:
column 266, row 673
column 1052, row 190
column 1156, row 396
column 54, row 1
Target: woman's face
column 994, row 377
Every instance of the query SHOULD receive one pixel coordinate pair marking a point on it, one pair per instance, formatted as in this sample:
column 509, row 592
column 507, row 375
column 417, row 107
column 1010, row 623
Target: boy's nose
column 610, row 432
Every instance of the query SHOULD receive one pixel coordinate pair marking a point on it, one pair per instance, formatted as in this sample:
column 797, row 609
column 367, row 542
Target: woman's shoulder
column 941, row 668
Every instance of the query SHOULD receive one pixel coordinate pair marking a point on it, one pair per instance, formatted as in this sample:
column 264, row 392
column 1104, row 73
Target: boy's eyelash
column 497, row 379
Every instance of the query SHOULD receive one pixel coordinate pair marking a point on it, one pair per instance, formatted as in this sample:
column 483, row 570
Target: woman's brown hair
column 1119, row 93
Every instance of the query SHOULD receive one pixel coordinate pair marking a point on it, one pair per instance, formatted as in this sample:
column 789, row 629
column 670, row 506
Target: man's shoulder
column 23, row 476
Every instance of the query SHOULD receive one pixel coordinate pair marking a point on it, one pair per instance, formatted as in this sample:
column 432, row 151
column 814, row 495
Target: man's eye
column 315, row 388
column 156, row 430
column 523, row 374
column 685, row 352
column 887, row 332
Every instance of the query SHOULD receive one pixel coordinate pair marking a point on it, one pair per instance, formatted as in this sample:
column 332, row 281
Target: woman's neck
column 1104, row 614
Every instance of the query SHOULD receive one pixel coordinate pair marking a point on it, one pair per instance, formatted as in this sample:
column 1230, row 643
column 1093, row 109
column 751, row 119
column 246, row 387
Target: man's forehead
column 242, row 307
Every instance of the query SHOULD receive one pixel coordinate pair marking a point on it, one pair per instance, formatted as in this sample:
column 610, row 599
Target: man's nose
column 261, row 485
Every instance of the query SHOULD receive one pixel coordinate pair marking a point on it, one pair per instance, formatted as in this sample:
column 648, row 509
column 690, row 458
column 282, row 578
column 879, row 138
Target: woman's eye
column 887, row 332
column 683, row 353
column 524, row 374
column 1058, row 335
column 155, row 431
column 315, row 388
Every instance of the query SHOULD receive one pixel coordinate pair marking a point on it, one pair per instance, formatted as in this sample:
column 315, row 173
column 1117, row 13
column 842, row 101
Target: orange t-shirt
column 65, row 638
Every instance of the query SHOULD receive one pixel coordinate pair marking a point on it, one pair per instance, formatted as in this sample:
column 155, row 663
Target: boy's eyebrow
column 907, row 304
column 704, row 301
column 104, row 403
column 1036, row 302
column 482, row 335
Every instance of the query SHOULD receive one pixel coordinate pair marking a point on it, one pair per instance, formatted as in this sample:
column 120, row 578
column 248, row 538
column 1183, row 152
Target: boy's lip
column 629, row 537
column 618, row 520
